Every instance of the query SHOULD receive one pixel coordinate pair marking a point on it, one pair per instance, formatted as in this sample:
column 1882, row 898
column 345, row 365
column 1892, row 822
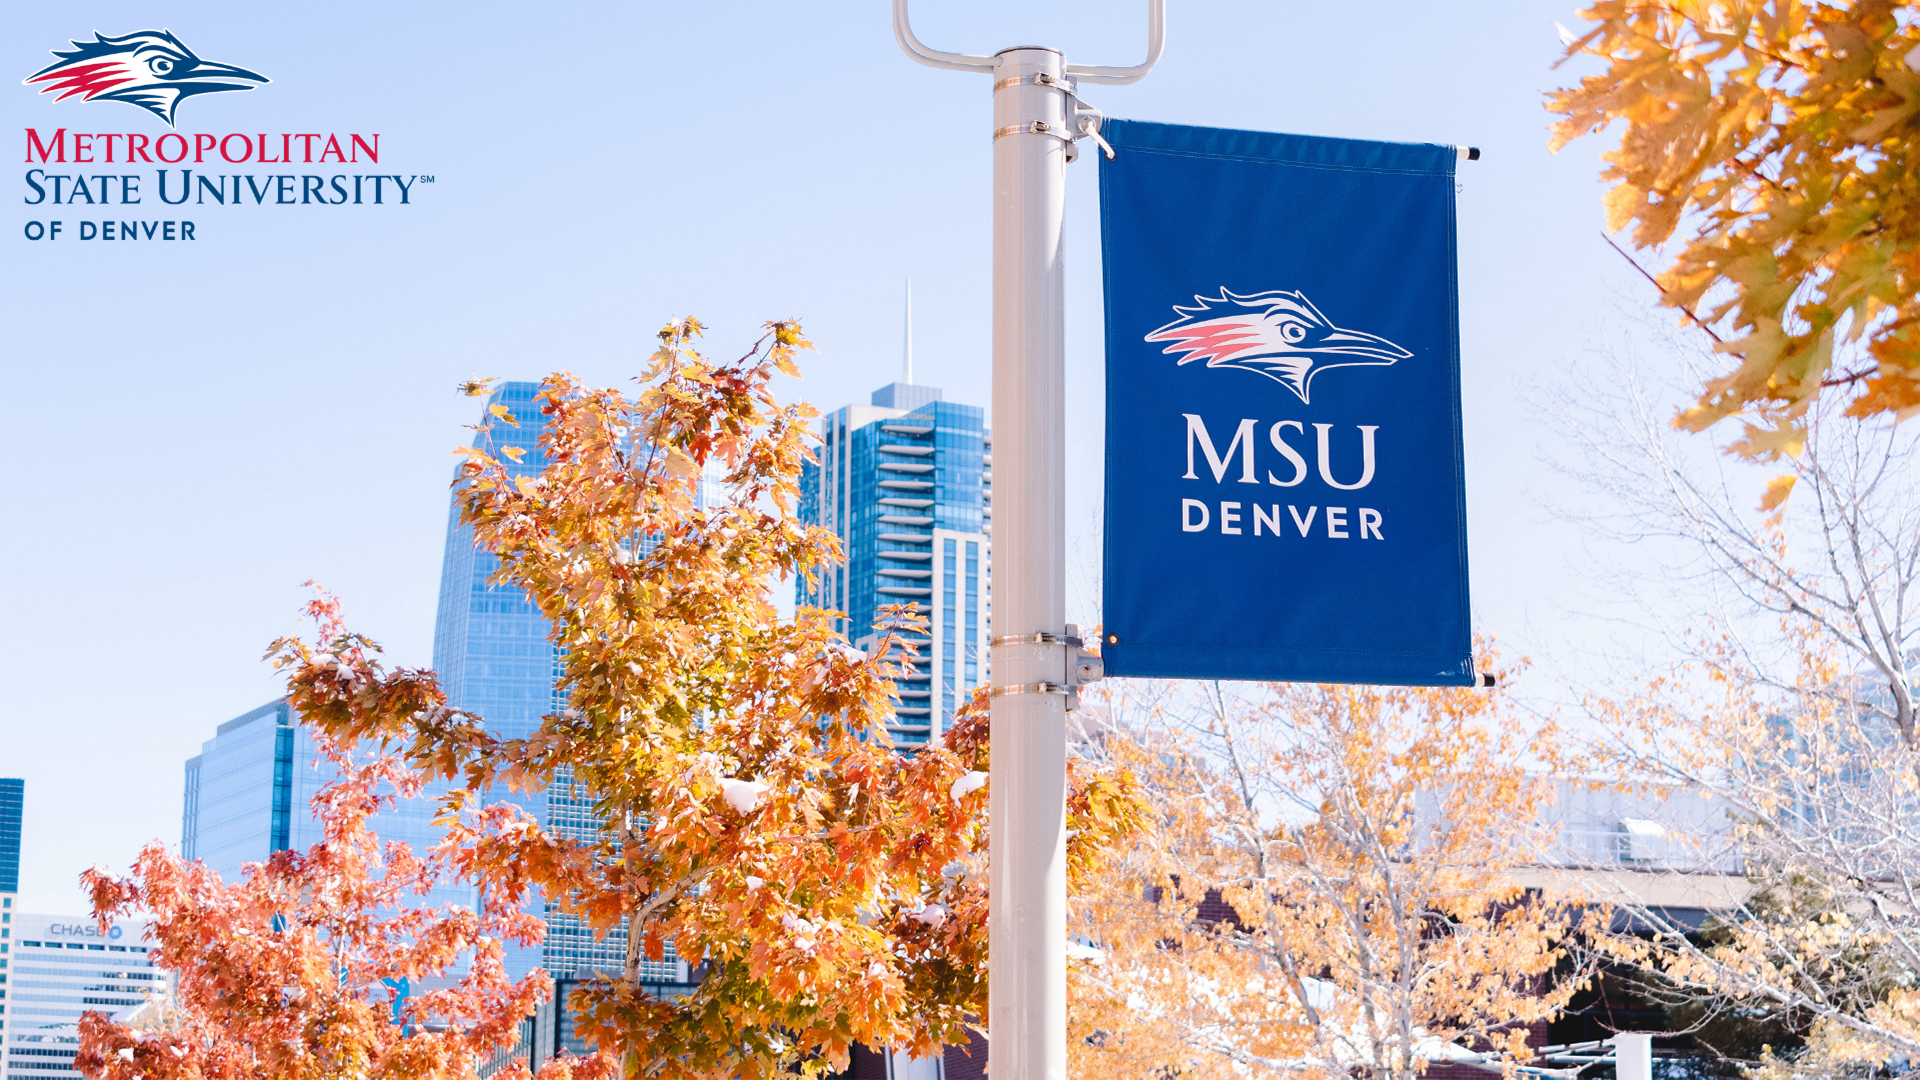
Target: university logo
column 1278, row 334
column 151, row 69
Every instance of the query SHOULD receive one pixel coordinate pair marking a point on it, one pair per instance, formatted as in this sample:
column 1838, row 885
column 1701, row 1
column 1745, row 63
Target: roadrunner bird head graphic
column 1279, row 334
column 150, row 68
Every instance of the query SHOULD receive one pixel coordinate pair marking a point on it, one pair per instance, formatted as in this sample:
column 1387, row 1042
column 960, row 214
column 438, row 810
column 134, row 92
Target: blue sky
column 200, row 427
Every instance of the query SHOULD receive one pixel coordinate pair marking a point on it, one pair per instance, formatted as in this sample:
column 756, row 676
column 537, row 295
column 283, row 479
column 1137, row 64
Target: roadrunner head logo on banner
column 1278, row 334
column 151, row 69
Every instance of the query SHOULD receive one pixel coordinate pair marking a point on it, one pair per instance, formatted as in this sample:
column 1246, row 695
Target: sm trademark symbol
column 426, row 179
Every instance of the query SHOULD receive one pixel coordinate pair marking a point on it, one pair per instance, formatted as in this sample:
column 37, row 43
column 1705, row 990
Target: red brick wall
column 867, row 1064
column 968, row 1062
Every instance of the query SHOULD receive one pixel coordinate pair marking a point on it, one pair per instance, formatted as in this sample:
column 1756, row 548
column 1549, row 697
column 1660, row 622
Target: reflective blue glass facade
column 13, row 798
column 247, row 793
column 493, row 651
column 906, row 484
column 490, row 645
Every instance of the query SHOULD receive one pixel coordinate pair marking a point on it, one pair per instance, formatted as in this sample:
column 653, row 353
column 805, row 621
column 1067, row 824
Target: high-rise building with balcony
column 905, row 482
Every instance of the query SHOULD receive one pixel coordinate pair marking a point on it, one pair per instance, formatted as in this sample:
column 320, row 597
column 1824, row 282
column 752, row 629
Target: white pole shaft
column 1027, row 1010
column 1633, row 1056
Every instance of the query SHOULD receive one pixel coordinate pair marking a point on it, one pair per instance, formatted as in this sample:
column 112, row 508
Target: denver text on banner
column 1284, row 489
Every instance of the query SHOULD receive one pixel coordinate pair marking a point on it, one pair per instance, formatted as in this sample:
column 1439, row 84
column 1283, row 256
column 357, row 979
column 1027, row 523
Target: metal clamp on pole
column 1042, row 638
column 1064, row 83
column 1029, row 688
column 1082, row 119
column 1079, row 666
column 1036, row 127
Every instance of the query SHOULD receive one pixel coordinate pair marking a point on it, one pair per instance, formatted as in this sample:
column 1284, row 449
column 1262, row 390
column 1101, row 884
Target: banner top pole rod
column 903, row 33
column 1093, row 73
column 1156, row 40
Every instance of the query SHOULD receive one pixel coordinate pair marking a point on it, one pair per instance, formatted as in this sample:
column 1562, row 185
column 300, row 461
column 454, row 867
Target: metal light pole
column 1036, row 660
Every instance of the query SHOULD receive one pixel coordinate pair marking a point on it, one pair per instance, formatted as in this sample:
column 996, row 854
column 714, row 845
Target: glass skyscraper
column 12, row 803
column 492, row 649
column 13, row 797
column 248, row 792
column 906, row 483
column 490, row 645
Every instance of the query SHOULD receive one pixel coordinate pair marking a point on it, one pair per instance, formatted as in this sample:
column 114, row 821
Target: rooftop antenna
column 906, row 363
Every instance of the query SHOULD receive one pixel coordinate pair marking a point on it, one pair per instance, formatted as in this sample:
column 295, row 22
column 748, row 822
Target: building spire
column 906, row 361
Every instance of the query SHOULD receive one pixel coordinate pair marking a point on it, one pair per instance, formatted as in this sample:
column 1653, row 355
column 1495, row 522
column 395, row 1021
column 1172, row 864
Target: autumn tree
column 1839, row 565
column 301, row 970
column 755, row 815
column 1327, row 887
column 1821, row 797
column 1789, row 704
column 1769, row 146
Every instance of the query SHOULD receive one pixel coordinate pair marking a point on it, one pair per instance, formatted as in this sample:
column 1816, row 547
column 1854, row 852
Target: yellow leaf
column 1778, row 489
column 1749, row 140
column 1768, row 444
column 680, row 465
column 1622, row 203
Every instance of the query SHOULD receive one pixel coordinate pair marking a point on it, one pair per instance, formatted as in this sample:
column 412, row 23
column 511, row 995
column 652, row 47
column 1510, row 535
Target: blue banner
column 1285, row 497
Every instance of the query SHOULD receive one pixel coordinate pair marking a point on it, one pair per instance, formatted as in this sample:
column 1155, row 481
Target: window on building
column 949, row 638
column 971, row 638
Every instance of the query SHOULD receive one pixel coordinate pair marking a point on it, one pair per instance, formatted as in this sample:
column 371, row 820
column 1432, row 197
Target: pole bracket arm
column 1156, row 40
column 1084, row 667
column 920, row 53
column 1078, row 665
